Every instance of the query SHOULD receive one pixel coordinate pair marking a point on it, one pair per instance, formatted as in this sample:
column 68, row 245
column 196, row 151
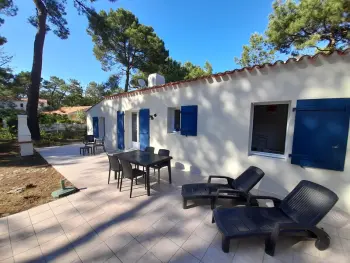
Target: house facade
column 21, row 103
column 291, row 119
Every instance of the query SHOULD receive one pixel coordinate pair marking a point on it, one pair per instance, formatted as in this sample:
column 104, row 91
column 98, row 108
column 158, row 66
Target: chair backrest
column 127, row 169
column 163, row 152
column 114, row 162
column 89, row 138
column 308, row 202
column 248, row 179
column 149, row 149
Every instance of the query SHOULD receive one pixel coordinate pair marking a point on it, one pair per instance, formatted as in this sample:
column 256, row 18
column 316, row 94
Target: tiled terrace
column 101, row 224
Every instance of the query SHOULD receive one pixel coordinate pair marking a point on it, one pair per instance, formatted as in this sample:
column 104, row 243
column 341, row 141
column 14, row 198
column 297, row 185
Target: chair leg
column 159, row 176
column 136, row 180
column 154, row 171
column 225, row 244
column 184, row 204
column 121, row 182
column 131, row 188
column 212, row 203
column 115, row 175
column 109, row 175
column 118, row 179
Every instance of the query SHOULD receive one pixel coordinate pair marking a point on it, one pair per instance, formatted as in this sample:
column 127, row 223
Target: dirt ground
column 25, row 182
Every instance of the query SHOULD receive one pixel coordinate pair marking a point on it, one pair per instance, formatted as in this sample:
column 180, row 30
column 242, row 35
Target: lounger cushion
column 248, row 221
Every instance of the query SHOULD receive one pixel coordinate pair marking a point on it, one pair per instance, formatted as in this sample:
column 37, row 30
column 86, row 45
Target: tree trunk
column 33, row 91
column 126, row 88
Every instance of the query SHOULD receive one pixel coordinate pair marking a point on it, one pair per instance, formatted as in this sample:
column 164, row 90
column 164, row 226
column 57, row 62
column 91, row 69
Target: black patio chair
column 296, row 215
column 147, row 149
column 161, row 152
column 89, row 140
column 99, row 143
column 114, row 165
column 235, row 188
column 130, row 173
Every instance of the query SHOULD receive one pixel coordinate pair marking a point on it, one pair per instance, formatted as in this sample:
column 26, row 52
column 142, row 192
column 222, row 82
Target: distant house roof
column 308, row 58
column 68, row 110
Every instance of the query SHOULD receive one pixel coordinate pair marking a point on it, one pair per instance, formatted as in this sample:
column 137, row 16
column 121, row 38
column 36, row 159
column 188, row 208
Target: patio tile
column 84, row 207
column 59, row 250
column 59, row 202
column 196, row 246
column 132, row 252
column 70, row 213
column 72, row 223
column 113, row 259
column 344, row 232
column 32, row 255
column 18, row 224
column 215, row 254
column 149, row 258
column 304, row 258
column 90, row 214
column 149, row 237
column 4, row 227
column 284, row 251
column 182, row 256
column 206, row 232
column 62, row 208
column 5, row 252
column 49, row 234
column 18, row 216
column 331, row 230
column 8, row 260
column 307, row 247
column 119, row 240
column 163, row 225
column 42, row 216
column 178, row 235
column 100, row 253
column 164, row 249
column 47, row 223
column 346, row 245
column 250, row 250
column 22, row 233
column 39, row 209
column 82, row 235
column 190, row 223
column 24, row 245
column 333, row 255
column 4, row 239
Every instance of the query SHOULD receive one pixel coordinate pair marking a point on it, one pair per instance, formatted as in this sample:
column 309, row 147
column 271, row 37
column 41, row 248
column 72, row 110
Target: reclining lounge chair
column 296, row 215
column 235, row 188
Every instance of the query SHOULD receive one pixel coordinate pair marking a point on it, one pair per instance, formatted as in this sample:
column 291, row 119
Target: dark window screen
column 134, row 127
column 177, row 120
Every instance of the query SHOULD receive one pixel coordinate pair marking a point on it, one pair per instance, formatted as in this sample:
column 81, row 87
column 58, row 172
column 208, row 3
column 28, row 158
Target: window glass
column 269, row 128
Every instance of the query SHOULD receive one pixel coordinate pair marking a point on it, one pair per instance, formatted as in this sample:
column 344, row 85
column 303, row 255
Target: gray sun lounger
column 296, row 215
column 235, row 188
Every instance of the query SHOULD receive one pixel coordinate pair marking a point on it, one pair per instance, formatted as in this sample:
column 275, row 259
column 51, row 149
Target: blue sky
column 193, row 30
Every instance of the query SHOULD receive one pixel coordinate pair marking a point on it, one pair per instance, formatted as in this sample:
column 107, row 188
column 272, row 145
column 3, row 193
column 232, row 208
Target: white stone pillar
column 24, row 136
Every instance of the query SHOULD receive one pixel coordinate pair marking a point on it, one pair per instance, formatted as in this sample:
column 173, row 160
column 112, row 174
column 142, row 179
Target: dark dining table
column 146, row 159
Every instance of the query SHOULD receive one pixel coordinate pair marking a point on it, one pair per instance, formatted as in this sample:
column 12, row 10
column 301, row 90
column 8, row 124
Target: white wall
column 224, row 105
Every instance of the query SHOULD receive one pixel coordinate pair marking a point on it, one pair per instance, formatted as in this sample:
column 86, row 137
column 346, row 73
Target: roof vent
column 155, row 79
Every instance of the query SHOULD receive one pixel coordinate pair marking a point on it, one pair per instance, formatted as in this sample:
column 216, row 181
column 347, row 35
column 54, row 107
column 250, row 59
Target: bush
column 5, row 134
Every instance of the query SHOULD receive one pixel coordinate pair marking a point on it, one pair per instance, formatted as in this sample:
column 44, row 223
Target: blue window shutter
column 144, row 128
column 189, row 115
column 95, row 126
column 120, row 130
column 321, row 133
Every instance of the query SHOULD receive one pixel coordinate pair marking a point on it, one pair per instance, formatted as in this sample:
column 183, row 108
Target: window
column 183, row 120
column 134, row 127
column 21, row 105
column 174, row 120
column 268, row 129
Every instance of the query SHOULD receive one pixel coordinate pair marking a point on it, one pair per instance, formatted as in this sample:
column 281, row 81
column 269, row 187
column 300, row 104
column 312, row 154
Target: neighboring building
column 69, row 111
column 21, row 103
column 290, row 118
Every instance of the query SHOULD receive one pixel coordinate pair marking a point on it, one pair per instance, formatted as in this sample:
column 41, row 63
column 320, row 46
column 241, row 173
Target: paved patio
column 101, row 224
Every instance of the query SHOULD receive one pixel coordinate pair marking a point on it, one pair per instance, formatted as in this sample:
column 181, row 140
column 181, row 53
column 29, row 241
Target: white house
column 21, row 103
column 290, row 118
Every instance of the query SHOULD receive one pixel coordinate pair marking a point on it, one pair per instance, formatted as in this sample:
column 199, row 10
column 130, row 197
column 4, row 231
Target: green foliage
column 256, row 53
column 5, row 134
column 120, row 40
column 322, row 25
column 10, row 117
column 49, row 119
column 54, row 90
column 94, row 92
column 194, row 71
column 81, row 116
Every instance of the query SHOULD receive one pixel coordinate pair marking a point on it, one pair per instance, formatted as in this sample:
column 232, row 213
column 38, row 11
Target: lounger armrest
column 229, row 179
column 271, row 241
column 234, row 193
column 275, row 200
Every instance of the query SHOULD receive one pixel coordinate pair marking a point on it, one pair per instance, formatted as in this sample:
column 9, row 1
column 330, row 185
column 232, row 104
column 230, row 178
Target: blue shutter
column 189, row 120
column 120, row 130
column 321, row 133
column 144, row 128
column 95, row 126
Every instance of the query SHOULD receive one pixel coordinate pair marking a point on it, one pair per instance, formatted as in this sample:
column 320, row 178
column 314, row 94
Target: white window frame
column 172, row 119
column 272, row 155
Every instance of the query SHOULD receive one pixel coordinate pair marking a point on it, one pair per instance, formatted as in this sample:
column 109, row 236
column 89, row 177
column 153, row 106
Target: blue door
column 95, row 126
column 120, row 130
column 144, row 128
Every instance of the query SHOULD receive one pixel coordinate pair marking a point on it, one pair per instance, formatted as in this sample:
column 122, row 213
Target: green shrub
column 5, row 134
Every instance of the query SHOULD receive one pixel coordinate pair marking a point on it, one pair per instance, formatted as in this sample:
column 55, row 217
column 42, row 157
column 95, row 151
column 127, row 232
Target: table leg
column 147, row 180
column 169, row 171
